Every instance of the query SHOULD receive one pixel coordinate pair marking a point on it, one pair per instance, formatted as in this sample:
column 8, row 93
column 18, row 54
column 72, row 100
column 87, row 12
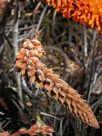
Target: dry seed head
column 55, row 87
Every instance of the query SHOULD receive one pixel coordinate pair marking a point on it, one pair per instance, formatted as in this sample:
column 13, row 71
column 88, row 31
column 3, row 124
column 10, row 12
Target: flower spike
column 87, row 12
column 28, row 62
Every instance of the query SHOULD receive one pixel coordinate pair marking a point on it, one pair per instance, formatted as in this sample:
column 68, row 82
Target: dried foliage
column 73, row 51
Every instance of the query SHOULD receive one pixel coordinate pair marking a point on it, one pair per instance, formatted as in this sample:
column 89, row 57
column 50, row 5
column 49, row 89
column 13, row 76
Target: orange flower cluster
column 32, row 131
column 87, row 12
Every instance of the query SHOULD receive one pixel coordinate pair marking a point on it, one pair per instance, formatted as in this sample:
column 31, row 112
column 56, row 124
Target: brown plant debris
column 28, row 62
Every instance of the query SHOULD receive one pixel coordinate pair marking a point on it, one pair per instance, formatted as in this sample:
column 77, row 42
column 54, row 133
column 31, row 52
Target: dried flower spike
column 87, row 12
column 55, row 87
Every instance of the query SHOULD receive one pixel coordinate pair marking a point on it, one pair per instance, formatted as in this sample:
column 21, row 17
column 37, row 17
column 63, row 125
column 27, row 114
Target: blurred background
column 72, row 50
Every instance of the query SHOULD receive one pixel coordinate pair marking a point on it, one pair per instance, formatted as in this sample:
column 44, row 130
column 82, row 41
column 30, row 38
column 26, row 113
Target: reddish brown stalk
column 28, row 62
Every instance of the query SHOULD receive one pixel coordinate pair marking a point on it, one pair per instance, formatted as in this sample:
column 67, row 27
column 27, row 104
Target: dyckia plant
column 29, row 64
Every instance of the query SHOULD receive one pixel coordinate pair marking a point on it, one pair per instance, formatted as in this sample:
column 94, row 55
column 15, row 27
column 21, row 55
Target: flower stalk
column 28, row 63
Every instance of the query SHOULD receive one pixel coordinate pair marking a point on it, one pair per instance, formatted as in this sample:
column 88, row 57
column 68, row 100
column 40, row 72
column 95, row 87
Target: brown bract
column 28, row 63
